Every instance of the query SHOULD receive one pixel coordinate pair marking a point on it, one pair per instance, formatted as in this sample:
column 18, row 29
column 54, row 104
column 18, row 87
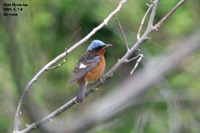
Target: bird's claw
column 102, row 81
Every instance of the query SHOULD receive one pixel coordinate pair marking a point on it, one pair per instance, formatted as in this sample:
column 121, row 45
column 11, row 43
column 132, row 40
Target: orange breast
column 96, row 72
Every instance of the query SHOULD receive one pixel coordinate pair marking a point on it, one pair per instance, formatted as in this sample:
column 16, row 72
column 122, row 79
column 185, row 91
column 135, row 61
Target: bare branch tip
column 27, row 125
column 140, row 56
column 105, row 21
column 95, row 89
column 147, row 38
column 110, row 75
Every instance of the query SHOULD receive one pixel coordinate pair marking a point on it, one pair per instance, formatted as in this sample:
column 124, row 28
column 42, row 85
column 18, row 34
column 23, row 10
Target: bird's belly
column 95, row 73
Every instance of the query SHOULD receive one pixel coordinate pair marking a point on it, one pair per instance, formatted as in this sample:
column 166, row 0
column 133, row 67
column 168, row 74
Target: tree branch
column 168, row 15
column 140, row 56
column 152, row 16
column 143, row 20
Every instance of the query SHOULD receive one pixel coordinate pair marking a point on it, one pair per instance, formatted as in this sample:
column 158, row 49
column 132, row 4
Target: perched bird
column 90, row 67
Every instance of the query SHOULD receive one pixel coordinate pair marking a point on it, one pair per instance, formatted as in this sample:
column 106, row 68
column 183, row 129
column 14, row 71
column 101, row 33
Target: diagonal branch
column 143, row 20
column 168, row 15
column 122, row 31
column 152, row 16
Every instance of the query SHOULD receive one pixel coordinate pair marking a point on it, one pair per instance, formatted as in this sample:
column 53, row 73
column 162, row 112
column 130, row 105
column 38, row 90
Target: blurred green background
column 41, row 32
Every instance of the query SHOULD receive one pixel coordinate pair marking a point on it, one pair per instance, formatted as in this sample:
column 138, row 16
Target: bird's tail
column 81, row 94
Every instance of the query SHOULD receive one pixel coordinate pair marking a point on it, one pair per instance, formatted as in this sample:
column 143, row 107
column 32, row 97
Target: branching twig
column 143, row 20
column 106, row 76
column 152, row 16
column 134, row 58
column 60, row 64
column 54, row 67
column 140, row 56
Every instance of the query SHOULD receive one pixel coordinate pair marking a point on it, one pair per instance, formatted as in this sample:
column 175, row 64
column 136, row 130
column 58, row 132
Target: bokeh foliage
column 43, row 30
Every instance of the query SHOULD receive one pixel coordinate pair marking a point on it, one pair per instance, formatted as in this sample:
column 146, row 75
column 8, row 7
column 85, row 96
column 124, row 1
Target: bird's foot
column 102, row 80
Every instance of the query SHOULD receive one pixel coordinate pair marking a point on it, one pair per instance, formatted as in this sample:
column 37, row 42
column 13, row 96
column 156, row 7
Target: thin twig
column 140, row 123
column 134, row 58
column 60, row 64
column 168, row 15
column 73, row 35
column 152, row 16
column 143, row 20
column 122, row 31
column 137, row 62
column 54, row 67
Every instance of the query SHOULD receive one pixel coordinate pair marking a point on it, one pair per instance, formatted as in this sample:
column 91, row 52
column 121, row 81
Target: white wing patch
column 82, row 65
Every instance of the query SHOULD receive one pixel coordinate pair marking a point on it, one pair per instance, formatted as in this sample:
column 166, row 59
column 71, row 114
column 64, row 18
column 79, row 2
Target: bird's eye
column 97, row 48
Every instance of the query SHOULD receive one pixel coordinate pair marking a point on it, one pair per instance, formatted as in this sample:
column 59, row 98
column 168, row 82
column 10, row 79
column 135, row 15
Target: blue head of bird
column 97, row 45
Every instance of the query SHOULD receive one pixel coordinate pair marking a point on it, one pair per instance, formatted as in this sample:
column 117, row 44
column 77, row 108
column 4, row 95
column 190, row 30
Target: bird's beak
column 108, row 45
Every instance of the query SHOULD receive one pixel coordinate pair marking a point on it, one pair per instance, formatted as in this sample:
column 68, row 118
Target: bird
column 90, row 67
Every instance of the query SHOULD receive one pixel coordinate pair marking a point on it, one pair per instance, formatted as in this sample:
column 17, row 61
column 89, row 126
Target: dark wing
column 86, row 63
